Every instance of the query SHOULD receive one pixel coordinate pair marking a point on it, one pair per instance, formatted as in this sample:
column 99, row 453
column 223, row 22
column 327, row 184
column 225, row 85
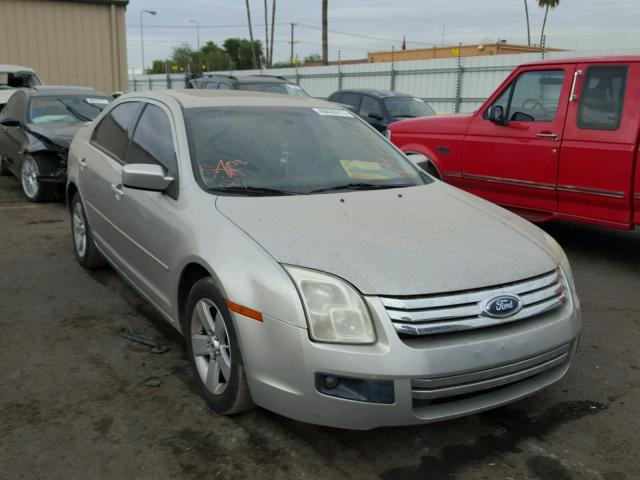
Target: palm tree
column 253, row 45
column 325, row 43
column 526, row 12
column 547, row 4
column 273, row 25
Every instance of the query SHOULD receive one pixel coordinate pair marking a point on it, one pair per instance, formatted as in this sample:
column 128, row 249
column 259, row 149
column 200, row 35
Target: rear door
column 516, row 164
column 597, row 154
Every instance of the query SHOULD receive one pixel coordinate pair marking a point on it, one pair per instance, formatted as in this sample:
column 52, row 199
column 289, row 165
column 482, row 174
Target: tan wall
column 449, row 52
column 67, row 43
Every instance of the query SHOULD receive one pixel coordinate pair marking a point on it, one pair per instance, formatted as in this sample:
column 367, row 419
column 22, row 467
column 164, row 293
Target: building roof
column 122, row 3
column 15, row 69
column 374, row 92
column 231, row 98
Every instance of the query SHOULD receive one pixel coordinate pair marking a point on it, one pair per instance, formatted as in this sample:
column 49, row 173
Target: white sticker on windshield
column 98, row 101
column 332, row 112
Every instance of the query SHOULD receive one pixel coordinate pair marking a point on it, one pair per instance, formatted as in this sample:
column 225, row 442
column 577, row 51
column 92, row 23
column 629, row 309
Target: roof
column 43, row 90
column 230, row 98
column 374, row 92
column 262, row 79
column 15, row 69
column 122, row 3
column 603, row 59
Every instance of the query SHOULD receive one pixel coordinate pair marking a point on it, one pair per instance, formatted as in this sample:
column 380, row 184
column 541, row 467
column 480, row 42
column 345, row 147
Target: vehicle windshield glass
column 284, row 88
column 408, row 107
column 67, row 109
column 296, row 150
column 9, row 80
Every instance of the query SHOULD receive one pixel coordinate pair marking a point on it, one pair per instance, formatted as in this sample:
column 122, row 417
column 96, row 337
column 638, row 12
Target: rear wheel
column 214, row 352
column 33, row 189
column 85, row 250
column 4, row 170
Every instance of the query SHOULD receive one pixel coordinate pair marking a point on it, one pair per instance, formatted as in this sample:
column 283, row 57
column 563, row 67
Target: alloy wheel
column 210, row 346
column 29, row 178
column 79, row 230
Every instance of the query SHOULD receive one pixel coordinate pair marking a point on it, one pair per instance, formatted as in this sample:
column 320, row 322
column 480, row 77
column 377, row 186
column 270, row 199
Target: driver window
column 536, row 95
column 370, row 106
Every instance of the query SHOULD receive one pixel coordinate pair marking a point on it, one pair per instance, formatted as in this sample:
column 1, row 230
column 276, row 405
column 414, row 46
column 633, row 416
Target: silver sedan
column 312, row 268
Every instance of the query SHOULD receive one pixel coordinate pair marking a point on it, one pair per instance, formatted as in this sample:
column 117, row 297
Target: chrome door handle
column 572, row 96
column 117, row 190
column 551, row 136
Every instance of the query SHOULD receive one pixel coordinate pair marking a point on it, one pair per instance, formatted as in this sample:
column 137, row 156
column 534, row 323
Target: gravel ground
column 78, row 401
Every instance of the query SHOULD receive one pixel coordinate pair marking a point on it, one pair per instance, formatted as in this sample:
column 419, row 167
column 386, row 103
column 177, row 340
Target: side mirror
column 418, row 160
column 375, row 116
column 10, row 122
column 116, row 94
column 496, row 115
column 143, row 176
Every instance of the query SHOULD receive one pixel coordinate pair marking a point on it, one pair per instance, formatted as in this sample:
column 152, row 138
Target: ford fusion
column 313, row 270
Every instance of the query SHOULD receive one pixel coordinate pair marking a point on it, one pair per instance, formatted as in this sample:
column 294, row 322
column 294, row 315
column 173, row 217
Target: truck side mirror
column 496, row 115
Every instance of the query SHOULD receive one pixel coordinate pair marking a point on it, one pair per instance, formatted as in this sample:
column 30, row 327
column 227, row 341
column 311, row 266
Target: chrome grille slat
column 464, row 311
column 470, row 297
column 442, row 387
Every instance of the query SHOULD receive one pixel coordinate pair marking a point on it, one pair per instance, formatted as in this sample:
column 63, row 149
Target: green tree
column 313, row 58
column 240, row 52
column 158, row 66
column 546, row 4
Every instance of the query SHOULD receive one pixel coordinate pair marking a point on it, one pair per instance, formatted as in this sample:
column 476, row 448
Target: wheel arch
column 191, row 273
column 432, row 167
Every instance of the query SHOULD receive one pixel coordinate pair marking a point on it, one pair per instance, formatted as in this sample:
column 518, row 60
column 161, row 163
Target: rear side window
column 113, row 132
column 152, row 140
column 602, row 98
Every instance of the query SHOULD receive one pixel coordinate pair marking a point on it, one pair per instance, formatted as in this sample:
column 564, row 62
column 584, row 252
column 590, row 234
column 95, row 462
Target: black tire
column 89, row 256
column 4, row 170
column 234, row 397
column 33, row 189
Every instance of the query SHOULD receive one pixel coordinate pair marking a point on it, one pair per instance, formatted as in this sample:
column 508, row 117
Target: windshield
column 291, row 151
column 284, row 88
column 9, row 80
column 67, row 109
column 408, row 107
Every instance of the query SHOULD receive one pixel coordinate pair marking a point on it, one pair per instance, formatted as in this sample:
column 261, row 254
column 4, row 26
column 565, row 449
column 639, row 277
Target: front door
column 516, row 164
column 597, row 153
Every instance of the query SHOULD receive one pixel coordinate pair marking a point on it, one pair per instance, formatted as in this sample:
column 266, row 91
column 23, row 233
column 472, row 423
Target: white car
column 13, row 77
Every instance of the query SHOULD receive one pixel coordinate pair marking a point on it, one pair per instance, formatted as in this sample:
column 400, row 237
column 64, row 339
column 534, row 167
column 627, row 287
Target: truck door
column 515, row 163
column 597, row 154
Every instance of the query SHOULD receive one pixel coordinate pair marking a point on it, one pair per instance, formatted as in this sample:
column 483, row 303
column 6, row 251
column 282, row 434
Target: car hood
column 447, row 124
column 59, row 135
column 410, row 241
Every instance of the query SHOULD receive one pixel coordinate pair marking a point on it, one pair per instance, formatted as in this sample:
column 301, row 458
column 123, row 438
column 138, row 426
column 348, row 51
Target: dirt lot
column 75, row 402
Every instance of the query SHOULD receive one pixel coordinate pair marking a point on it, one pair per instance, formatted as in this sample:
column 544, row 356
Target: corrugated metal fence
column 449, row 85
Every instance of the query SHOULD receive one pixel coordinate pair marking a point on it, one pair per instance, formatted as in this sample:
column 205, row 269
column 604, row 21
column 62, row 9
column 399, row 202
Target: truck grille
column 440, row 389
column 435, row 314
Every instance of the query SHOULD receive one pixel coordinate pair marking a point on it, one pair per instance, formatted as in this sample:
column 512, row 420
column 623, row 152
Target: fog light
column 330, row 382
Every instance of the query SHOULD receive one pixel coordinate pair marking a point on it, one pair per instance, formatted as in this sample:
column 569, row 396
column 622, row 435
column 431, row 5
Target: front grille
column 447, row 313
column 442, row 389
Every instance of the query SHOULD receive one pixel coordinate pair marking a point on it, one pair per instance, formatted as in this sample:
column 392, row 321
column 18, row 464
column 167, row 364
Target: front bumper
column 482, row 369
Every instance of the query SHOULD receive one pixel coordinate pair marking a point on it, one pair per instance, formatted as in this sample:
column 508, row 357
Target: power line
column 368, row 37
column 201, row 26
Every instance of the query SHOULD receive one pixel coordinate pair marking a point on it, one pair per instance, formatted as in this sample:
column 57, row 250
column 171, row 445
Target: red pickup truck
column 557, row 140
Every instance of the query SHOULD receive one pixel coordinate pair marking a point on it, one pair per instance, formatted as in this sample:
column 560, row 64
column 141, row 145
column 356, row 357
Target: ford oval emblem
column 502, row 306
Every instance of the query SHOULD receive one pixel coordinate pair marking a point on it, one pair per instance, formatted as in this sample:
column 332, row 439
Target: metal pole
column 151, row 12
column 292, row 42
column 458, row 99
column 199, row 69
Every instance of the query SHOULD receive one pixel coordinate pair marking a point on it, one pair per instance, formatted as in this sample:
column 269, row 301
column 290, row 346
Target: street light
column 198, row 44
column 151, row 12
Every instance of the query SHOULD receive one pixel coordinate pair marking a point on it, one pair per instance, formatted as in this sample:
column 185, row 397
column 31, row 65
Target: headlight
column 336, row 312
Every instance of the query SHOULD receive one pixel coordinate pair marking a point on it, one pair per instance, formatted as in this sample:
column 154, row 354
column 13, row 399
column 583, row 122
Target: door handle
column 549, row 135
column 83, row 163
column 117, row 190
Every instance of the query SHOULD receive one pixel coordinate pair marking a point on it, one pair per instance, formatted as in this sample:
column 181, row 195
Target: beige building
column 454, row 51
column 67, row 42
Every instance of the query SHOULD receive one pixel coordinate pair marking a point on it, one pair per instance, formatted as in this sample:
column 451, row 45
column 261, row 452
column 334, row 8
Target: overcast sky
column 575, row 24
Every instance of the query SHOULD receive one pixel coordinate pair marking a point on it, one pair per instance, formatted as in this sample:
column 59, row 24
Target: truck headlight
column 336, row 312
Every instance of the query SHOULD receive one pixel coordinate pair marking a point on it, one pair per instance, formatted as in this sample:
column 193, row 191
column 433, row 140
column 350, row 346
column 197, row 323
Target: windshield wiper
column 361, row 186
column 74, row 111
column 252, row 190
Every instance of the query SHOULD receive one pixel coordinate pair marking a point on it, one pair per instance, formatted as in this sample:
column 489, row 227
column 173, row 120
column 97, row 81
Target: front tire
column 33, row 189
column 213, row 351
column 84, row 248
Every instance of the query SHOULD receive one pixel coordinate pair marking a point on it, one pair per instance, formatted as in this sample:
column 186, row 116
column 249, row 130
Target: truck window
column 602, row 98
column 536, row 95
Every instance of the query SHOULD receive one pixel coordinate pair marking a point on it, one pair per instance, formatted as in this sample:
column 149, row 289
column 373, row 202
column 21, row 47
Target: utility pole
column 199, row 69
column 273, row 26
column 150, row 12
column 292, row 42
column 266, row 33
column 253, row 46
column 325, row 41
